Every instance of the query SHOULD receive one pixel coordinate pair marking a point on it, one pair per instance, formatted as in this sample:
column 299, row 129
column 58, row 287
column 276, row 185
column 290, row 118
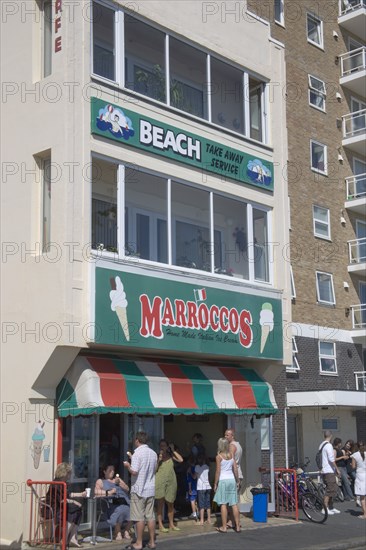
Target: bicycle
column 305, row 478
column 311, row 504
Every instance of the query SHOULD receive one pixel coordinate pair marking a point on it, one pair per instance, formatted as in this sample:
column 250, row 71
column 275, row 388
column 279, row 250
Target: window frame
column 121, row 77
column 124, row 202
column 46, row 164
column 295, row 367
column 320, row 26
column 317, row 92
column 293, row 288
column 279, row 4
column 327, row 223
column 325, row 153
column 319, row 300
column 332, row 356
column 44, row 7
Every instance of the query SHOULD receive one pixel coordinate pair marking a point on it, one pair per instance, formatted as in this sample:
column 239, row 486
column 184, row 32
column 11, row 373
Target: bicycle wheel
column 340, row 495
column 313, row 508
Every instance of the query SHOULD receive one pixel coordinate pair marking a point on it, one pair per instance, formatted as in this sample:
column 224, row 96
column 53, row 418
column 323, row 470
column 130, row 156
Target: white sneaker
column 358, row 501
column 323, row 511
column 335, row 511
column 331, row 512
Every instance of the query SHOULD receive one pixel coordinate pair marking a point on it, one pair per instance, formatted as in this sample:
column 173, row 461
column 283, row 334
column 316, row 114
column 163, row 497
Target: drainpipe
column 286, row 441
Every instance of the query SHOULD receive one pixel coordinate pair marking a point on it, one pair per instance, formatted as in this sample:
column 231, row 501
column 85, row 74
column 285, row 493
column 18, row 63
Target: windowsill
column 328, row 373
column 323, row 238
column 319, row 172
column 199, row 274
column 319, row 46
column 280, row 23
column 326, row 304
column 136, row 98
column 317, row 108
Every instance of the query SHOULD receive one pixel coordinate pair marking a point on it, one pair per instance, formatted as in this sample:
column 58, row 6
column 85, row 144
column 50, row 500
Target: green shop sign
column 130, row 128
column 162, row 314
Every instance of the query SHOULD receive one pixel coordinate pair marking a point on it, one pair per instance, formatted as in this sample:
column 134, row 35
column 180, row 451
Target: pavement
column 343, row 531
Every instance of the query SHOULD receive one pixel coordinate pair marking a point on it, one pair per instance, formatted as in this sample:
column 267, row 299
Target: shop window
column 321, row 222
column 163, row 68
column 324, row 288
column 317, row 93
column 318, row 153
column 314, row 30
column 198, row 230
column 327, row 357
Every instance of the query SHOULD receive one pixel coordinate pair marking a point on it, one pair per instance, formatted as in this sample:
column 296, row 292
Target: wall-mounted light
column 335, row 35
column 339, row 122
column 345, row 285
column 338, row 96
column 347, row 311
column 336, row 60
column 343, row 220
column 340, row 158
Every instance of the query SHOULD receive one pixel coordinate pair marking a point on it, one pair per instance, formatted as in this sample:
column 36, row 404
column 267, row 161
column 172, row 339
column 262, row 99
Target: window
column 318, row 153
column 46, row 38
column 314, row 30
column 293, row 289
column 46, row 203
column 148, row 61
column 324, row 288
column 327, row 357
column 197, row 229
column 278, row 12
column 317, row 93
column 265, row 433
column 295, row 364
column 330, row 424
column 321, row 222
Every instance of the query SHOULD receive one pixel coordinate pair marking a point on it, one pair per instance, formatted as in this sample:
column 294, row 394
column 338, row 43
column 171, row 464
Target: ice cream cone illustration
column 37, row 444
column 266, row 322
column 119, row 304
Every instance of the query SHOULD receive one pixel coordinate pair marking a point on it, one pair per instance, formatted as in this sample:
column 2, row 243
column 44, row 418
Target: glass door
column 361, row 241
column 363, row 303
column 359, row 170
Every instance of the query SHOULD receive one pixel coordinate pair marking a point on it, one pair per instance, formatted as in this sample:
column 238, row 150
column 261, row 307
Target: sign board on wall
column 147, row 312
column 130, row 128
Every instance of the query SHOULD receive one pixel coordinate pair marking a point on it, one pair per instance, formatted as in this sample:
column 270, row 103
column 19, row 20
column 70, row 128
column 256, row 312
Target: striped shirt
column 144, row 461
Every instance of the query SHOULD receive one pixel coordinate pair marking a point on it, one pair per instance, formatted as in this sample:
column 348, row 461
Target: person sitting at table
column 116, row 490
column 55, row 499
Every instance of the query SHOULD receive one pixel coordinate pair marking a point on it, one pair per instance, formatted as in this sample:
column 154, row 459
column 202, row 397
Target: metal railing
column 358, row 316
column 353, row 61
column 357, row 251
column 354, row 124
column 347, row 6
column 48, row 516
column 360, row 380
column 356, row 187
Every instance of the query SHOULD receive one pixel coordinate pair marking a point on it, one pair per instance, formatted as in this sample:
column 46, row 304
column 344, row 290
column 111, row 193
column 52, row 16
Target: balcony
column 358, row 323
column 353, row 71
column 354, row 131
column 357, row 255
column 352, row 17
column 356, row 194
column 360, row 380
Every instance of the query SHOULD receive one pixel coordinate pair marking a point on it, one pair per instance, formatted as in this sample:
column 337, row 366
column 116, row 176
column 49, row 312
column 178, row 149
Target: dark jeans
column 346, row 486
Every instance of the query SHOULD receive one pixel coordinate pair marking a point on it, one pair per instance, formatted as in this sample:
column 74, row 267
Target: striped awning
column 95, row 385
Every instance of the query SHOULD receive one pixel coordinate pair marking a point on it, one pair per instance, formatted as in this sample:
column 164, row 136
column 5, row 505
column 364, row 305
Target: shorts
column 204, row 499
column 141, row 508
column 331, row 486
column 192, row 497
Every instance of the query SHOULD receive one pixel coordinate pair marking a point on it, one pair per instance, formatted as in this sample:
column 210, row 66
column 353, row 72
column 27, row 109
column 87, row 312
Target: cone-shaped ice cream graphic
column 266, row 322
column 119, row 304
column 37, row 444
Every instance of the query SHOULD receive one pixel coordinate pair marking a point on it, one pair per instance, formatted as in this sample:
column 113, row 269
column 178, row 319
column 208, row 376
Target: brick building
column 326, row 120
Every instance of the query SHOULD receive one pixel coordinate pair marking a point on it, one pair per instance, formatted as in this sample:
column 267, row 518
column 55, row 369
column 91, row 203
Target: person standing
column 237, row 452
column 142, row 470
column 359, row 464
column 329, row 472
column 340, row 460
column 225, row 486
column 166, row 483
column 203, row 488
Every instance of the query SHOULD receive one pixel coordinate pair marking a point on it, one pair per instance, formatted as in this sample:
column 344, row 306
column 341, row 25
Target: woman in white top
column 359, row 464
column 225, row 486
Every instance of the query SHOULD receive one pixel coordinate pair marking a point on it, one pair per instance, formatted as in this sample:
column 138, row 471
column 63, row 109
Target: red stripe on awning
column 242, row 389
column 182, row 387
column 112, row 383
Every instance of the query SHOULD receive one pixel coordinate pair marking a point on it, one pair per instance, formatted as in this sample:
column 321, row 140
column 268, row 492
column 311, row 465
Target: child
column 203, row 489
column 192, row 487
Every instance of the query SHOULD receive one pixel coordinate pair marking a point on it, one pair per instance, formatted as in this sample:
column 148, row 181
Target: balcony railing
column 356, row 187
column 347, row 6
column 354, row 124
column 357, row 251
column 354, row 61
column 358, row 316
column 360, row 380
